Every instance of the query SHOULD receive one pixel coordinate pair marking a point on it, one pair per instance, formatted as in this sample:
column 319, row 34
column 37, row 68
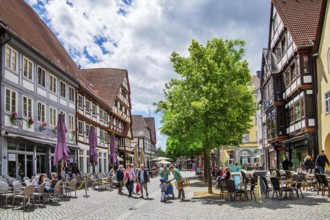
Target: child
column 163, row 186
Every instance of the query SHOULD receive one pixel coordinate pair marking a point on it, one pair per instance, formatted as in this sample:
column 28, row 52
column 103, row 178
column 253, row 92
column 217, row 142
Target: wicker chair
column 71, row 187
column 40, row 194
column 268, row 189
column 57, row 192
column 278, row 189
column 4, row 191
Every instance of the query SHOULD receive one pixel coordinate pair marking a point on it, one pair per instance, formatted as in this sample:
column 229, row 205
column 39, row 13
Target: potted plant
column 42, row 126
column 30, row 122
column 12, row 118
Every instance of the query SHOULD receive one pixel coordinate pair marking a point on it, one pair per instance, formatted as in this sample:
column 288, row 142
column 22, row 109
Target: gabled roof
column 301, row 18
column 139, row 126
column 23, row 23
column 103, row 82
column 320, row 25
column 150, row 121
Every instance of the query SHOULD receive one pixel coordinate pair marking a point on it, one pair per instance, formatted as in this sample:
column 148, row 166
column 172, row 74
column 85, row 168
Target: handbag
column 137, row 188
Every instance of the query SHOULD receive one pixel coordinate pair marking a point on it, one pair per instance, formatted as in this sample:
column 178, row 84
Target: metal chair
column 268, row 189
column 41, row 194
column 26, row 196
column 325, row 185
column 278, row 189
column 71, row 187
column 4, row 191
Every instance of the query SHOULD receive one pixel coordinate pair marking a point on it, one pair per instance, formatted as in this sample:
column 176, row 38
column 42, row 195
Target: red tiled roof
column 23, row 23
column 301, row 18
column 103, row 82
column 151, row 124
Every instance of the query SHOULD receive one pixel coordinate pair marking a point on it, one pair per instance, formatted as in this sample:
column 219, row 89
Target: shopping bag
column 137, row 188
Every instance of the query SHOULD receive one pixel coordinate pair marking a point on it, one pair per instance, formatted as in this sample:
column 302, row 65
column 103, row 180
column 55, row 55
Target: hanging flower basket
column 30, row 122
column 12, row 117
column 42, row 126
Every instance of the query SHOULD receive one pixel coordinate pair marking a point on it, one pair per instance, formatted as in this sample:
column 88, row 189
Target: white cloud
column 142, row 40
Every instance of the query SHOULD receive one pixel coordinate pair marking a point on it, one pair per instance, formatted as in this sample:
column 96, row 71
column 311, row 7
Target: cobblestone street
column 110, row 205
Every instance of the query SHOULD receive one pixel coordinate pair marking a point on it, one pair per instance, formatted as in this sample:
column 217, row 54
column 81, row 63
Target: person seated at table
column 50, row 187
column 37, row 181
column 308, row 163
column 225, row 176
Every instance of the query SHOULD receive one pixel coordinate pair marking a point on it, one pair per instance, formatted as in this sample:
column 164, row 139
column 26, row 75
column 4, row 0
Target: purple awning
column 61, row 149
column 112, row 152
column 92, row 146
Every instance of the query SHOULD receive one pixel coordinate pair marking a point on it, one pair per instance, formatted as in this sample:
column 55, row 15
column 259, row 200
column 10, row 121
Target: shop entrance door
column 20, row 165
column 41, row 164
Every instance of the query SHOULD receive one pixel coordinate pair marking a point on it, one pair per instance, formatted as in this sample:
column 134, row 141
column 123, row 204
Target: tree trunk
column 207, row 168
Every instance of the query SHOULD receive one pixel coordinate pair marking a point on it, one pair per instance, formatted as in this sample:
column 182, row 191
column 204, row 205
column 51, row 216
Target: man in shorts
column 143, row 178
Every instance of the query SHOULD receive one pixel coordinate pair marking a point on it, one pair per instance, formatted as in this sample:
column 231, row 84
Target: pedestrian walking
column 130, row 176
column 286, row 164
column 143, row 178
column 177, row 176
column 320, row 162
column 120, row 178
column 308, row 163
column 163, row 188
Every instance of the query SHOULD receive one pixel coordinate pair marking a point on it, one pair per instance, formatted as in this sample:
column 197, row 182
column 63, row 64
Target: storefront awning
column 38, row 140
column 296, row 138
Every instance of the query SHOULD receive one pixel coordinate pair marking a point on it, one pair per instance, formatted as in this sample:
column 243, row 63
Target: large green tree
column 210, row 104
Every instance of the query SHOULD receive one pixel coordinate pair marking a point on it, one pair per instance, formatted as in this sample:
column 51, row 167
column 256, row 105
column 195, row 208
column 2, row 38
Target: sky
column 140, row 35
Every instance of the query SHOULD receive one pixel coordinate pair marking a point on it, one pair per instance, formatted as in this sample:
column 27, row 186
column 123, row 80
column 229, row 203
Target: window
column 41, row 77
column 293, row 71
column 306, row 64
column 105, row 117
column 94, row 110
column 11, row 57
column 327, row 102
column 52, row 116
column 80, row 127
column 297, row 111
column 329, row 60
column 302, row 102
column 41, row 112
column 283, row 45
column 27, row 107
column 71, row 94
column 87, row 130
column 88, row 107
column 11, row 97
column 291, row 115
column 245, row 138
column 27, row 68
column 71, row 123
column 63, row 89
column 52, row 83
column 101, row 115
column 102, row 136
column 80, row 102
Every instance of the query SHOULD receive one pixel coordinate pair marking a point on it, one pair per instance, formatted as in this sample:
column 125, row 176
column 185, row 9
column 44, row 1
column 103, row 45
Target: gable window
column 41, row 77
column 27, row 68
column 327, row 102
column 63, row 89
column 80, row 102
column 41, row 112
column 80, row 127
column 27, row 107
column 11, row 97
column 94, row 110
column 11, row 58
column 52, row 83
column 52, row 116
column 71, row 94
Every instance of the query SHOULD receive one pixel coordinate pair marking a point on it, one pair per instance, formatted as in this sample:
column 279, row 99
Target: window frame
column 41, row 118
column 327, row 100
column 27, row 75
column 71, row 122
column 80, row 102
column 52, row 85
column 87, row 106
column 94, row 110
column 13, row 101
column 71, row 94
column 62, row 84
column 80, row 127
column 27, row 108
column 39, row 81
column 52, row 116
column 9, row 62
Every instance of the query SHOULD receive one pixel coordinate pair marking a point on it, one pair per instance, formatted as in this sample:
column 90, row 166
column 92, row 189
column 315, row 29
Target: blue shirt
column 142, row 176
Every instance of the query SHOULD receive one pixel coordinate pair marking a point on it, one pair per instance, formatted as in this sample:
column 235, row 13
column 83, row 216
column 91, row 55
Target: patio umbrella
column 142, row 159
column 162, row 158
column 92, row 147
column 112, row 151
column 136, row 156
column 61, row 149
column 165, row 162
column 224, row 156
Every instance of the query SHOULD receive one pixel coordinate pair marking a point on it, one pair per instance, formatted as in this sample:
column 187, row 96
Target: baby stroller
column 169, row 189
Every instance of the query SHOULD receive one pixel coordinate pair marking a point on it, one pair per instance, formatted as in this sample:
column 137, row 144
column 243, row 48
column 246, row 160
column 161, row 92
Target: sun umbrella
column 162, row 158
column 92, row 147
column 165, row 162
column 61, row 149
column 136, row 156
column 142, row 159
column 112, row 152
column 224, row 156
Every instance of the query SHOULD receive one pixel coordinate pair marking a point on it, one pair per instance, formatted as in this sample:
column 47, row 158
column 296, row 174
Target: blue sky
column 140, row 35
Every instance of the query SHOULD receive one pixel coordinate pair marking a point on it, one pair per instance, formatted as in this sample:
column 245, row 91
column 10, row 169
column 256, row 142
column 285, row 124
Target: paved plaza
column 110, row 205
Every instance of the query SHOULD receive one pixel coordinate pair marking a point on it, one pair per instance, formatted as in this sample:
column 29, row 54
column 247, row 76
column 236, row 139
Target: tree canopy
column 211, row 103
